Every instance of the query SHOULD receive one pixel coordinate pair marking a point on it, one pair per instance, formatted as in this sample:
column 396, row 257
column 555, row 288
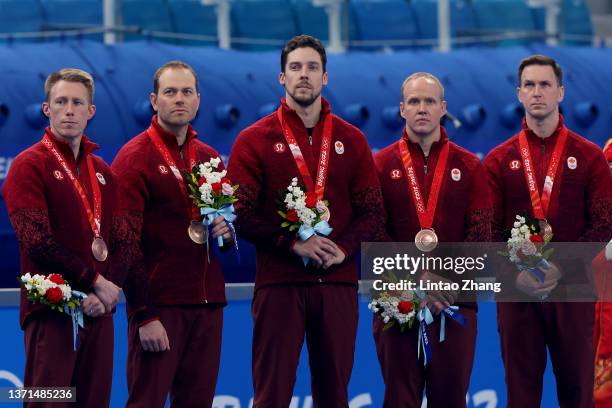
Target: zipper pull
column 425, row 165
column 310, row 139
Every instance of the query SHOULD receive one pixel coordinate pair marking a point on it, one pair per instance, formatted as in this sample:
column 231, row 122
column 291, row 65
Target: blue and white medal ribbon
column 425, row 318
column 452, row 312
column 77, row 317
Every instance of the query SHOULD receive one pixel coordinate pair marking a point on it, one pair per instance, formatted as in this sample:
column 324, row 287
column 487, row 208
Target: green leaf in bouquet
column 388, row 325
column 293, row 227
column 282, row 214
column 547, row 254
column 285, row 224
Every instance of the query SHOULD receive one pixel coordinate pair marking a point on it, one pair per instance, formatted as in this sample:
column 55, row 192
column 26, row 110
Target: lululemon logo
column 572, row 163
column 279, row 147
column 456, row 174
column 58, row 175
column 395, row 174
column 515, row 164
column 162, row 169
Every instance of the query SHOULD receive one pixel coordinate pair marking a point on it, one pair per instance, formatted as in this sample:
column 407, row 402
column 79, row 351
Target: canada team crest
column 572, row 163
column 101, row 178
column 456, row 174
column 339, row 146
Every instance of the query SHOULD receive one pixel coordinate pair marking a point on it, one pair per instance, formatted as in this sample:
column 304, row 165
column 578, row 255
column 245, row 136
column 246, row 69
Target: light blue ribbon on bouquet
column 452, row 312
column 425, row 318
column 77, row 317
column 320, row 228
column 227, row 212
column 536, row 271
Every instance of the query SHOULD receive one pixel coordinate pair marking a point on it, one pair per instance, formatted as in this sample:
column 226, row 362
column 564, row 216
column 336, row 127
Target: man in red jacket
column 60, row 200
column 332, row 160
column 570, row 191
column 602, row 268
column 175, row 294
column 455, row 205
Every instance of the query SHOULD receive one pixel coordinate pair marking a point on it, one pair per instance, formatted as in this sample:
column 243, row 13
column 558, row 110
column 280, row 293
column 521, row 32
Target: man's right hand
column 527, row 283
column 107, row 292
column 317, row 248
column 153, row 336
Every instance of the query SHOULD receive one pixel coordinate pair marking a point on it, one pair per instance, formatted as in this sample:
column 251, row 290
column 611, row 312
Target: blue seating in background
column 263, row 20
column 385, row 20
column 148, row 15
column 576, row 23
column 193, row 17
column 20, row 16
column 313, row 20
column 499, row 16
column 72, row 14
column 463, row 21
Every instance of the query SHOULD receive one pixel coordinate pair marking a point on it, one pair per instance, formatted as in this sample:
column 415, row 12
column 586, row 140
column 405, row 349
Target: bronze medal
column 426, row 240
column 198, row 232
column 545, row 230
column 99, row 249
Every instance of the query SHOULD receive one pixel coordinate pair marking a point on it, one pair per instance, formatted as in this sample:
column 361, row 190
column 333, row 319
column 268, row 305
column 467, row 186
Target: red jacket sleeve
column 244, row 169
column 132, row 194
column 24, row 194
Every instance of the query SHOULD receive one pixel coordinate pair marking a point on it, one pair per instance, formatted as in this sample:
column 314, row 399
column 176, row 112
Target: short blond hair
column 70, row 75
column 427, row 75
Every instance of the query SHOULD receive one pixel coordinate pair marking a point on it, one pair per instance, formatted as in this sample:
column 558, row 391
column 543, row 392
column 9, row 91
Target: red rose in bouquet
column 405, row 307
column 201, row 181
column 56, row 278
column 536, row 238
column 54, row 295
column 292, row 216
column 225, row 180
column 311, row 199
column 216, row 187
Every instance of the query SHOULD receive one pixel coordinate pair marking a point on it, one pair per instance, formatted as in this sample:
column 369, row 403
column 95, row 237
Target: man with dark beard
column 301, row 140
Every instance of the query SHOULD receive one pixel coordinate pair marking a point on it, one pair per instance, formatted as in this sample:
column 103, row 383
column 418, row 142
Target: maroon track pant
column 446, row 377
column 188, row 371
column 326, row 314
column 526, row 330
column 52, row 362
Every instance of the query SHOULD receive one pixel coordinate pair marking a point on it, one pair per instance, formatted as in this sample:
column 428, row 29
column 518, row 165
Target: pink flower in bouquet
column 227, row 189
column 56, row 278
column 54, row 295
column 292, row 216
column 528, row 248
column 405, row 307
column 216, row 187
column 311, row 199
